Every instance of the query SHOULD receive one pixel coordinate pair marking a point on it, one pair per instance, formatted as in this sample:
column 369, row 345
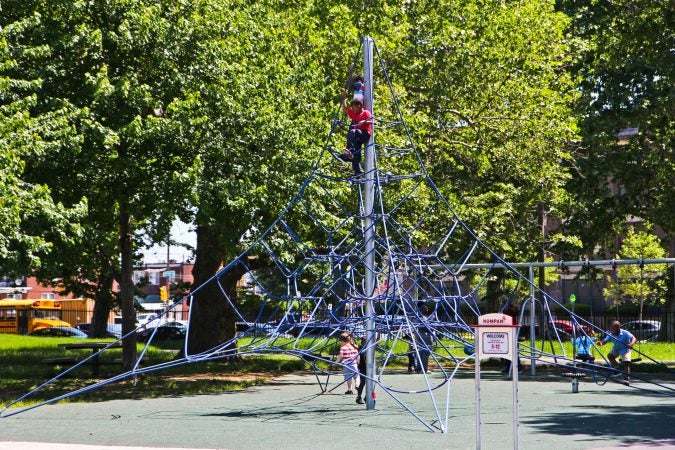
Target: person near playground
column 512, row 311
column 362, row 372
column 623, row 342
column 425, row 342
column 584, row 347
column 360, row 130
column 349, row 356
column 412, row 355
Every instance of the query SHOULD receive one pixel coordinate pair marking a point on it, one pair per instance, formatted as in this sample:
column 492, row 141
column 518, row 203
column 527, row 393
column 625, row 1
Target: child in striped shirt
column 349, row 356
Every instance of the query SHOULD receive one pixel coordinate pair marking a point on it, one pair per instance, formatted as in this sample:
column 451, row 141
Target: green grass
column 21, row 359
column 659, row 351
column 663, row 352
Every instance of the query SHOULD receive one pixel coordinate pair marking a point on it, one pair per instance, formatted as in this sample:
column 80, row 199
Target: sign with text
column 495, row 336
column 495, row 319
column 495, row 343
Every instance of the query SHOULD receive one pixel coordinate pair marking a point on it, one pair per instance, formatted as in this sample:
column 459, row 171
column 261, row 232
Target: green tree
column 639, row 283
column 625, row 72
column 30, row 220
column 119, row 67
column 486, row 92
column 252, row 159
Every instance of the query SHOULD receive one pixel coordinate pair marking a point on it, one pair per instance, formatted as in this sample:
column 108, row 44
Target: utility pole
column 369, row 225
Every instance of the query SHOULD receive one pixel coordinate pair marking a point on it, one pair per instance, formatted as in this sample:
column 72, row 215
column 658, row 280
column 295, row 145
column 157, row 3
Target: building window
column 48, row 296
column 14, row 296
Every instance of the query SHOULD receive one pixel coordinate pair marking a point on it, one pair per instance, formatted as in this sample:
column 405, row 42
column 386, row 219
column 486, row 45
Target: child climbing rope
column 360, row 130
column 358, row 87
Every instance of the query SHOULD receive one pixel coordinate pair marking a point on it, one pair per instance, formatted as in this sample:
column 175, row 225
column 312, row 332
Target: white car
column 643, row 330
column 149, row 320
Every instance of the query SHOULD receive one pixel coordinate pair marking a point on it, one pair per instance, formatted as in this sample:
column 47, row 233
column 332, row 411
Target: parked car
column 142, row 318
column 565, row 329
column 165, row 331
column 60, row 332
column 113, row 330
column 255, row 329
column 643, row 330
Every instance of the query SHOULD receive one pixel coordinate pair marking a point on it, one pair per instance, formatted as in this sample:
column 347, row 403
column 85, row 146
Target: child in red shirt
column 349, row 356
column 359, row 133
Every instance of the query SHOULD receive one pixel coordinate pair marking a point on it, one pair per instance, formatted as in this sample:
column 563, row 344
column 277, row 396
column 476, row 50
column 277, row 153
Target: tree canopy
column 117, row 117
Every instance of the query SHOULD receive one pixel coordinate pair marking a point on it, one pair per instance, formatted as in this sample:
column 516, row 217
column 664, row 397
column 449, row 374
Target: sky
column 180, row 232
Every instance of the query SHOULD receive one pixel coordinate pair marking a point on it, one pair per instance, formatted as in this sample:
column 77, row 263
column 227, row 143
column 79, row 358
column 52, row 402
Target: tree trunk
column 494, row 296
column 127, row 287
column 212, row 320
column 102, row 306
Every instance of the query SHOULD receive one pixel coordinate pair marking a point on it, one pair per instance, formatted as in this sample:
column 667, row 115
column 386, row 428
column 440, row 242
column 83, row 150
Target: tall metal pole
column 369, row 225
column 476, row 348
column 514, row 382
column 533, row 310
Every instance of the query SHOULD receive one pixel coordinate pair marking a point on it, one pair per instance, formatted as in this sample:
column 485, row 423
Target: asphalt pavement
column 290, row 413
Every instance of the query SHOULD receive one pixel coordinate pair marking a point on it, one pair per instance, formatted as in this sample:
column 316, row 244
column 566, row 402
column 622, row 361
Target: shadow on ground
column 627, row 424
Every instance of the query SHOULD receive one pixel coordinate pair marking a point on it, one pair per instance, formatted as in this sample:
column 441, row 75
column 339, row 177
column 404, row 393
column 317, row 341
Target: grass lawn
column 21, row 359
column 23, row 368
column 663, row 352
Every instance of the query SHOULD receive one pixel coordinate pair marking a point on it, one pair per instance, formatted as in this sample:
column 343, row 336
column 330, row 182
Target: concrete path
column 288, row 414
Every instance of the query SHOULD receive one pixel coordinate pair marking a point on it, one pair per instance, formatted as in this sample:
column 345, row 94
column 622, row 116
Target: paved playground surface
column 287, row 413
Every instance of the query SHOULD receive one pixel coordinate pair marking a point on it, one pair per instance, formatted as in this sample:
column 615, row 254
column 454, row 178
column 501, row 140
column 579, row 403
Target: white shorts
column 350, row 371
column 625, row 357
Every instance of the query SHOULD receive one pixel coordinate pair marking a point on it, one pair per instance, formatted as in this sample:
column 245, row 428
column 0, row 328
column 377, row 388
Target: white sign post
column 496, row 337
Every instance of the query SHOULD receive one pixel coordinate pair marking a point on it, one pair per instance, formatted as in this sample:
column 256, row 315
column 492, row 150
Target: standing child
column 360, row 130
column 362, row 372
column 349, row 356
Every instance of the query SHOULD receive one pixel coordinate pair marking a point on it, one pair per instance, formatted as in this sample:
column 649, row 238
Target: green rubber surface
column 289, row 413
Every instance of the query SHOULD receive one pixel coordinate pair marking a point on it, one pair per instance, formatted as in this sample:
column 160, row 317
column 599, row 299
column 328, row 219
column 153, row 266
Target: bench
column 119, row 360
column 64, row 361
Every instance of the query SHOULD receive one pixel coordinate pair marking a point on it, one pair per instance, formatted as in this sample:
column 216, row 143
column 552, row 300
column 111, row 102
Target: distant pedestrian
column 623, row 342
column 362, row 371
column 512, row 311
column 425, row 342
column 412, row 355
column 349, row 357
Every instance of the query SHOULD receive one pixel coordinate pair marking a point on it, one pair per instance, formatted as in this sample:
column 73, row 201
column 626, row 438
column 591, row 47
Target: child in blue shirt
column 584, row 346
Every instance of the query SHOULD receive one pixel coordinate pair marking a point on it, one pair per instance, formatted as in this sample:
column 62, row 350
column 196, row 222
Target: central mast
column 369, row 224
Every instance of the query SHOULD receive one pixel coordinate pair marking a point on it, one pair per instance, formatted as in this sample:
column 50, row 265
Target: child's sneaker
column 349, row 393
column 359, row 401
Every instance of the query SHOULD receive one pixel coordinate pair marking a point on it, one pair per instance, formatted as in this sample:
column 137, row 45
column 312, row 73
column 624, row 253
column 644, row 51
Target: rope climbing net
column 303, row 280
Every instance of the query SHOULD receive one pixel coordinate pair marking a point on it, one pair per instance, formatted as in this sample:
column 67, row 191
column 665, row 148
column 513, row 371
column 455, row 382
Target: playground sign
column 495, row 333
column 495, row 343
column 495, row 336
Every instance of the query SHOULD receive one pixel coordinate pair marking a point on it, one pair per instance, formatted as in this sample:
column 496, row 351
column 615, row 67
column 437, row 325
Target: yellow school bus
column 26, row 316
